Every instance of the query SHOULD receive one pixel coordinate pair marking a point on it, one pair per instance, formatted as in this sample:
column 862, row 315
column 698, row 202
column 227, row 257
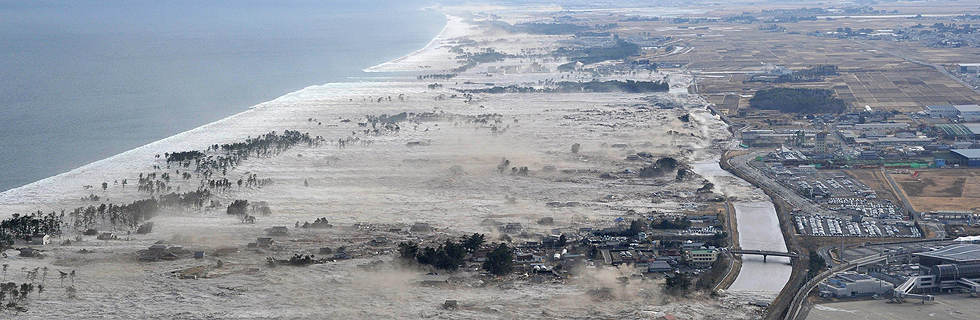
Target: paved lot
column 955, row 306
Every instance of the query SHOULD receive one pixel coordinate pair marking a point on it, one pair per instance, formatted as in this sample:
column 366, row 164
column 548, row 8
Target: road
column 800, row 297
column 938, row 229
column 741, row 164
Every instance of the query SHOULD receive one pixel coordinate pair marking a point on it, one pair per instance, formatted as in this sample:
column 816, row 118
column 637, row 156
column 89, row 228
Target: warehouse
column 954, row 254
column 966, row 157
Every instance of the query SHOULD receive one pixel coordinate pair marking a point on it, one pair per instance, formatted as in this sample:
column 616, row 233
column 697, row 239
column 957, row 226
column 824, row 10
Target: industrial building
column 951, row 268
column 945, row 111
column 954, row 254
column 885, row 127
column 968, row 112
column 970, row 67
column 964, row 112
column 966, row 157
column 852, row 284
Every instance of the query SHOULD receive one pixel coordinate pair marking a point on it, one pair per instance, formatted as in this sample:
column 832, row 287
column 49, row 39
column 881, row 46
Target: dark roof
column 955, row 253
column 969, row 153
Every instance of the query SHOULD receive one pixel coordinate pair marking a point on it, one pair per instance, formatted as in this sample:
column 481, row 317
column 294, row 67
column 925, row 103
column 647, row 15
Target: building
column 277, row 231
column 702, row 258
column 968, row 112
column 40, row 239
column 947, row 268
column 883, row 127
column 852, row 284
column 820, row 144
column 945, row 111
column 966, row 157
column 420, row 227
column 953, row 254
column 959, row 131
column 969, row 67
column 659, row 266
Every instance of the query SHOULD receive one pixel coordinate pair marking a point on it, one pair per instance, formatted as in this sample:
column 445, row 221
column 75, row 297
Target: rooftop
column 968, row 108
column 942, row 107
column 956, row 252
column 973, row 127
column 968, row 153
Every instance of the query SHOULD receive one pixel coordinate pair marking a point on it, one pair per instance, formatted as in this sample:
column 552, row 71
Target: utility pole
column 840, row 254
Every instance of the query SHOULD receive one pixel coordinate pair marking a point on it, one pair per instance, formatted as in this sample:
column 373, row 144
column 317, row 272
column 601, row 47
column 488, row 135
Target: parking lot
column 821, row 226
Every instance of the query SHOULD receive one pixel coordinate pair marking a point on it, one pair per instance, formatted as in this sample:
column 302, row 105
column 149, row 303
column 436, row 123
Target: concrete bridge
column 765, row 254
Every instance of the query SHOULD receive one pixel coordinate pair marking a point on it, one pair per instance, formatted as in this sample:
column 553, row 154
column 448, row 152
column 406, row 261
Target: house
column 107, row 236
column 28, row 252
column 40, row 239
column 513, row 227
column 659, row 266
column 277, row 231
column 480, row 255
column 264, row 242
column 380, row 241
column 420, row 227
column 524, row 258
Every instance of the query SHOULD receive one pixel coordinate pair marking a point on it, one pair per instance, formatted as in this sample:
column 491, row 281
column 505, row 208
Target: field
column 882, row 74
column 930, row 190
column 942, row 189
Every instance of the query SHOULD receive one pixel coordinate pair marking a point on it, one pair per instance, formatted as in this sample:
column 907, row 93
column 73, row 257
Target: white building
column 852, row 284
column 963, row 112
column 944, row 111
column 968, row 112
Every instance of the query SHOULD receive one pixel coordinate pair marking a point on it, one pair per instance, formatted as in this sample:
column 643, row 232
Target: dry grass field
column 883, row 74
column 930, row 190
column 946, row 189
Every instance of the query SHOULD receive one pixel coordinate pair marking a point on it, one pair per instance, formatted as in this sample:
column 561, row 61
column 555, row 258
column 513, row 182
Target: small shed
column 40, row 239
column 28, row 252
column 277, row 231
column 264, row 242
column 107, row 236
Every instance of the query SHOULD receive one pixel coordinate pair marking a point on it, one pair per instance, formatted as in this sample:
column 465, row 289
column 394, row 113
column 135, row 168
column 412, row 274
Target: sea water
column 84, row 80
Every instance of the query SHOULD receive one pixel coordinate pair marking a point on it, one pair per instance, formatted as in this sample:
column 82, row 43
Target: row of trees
column 24, row 226
column 129, row 216
column 451, row 255
column 591, row 86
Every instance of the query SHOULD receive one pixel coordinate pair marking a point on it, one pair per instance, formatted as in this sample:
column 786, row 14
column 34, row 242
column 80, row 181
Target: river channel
column 758, row 229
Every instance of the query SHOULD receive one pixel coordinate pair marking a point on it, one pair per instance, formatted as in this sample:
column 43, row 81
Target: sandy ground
column 393, row 180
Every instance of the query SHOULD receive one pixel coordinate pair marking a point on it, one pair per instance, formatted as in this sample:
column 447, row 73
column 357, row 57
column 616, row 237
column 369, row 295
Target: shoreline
column 7, row 196
column 428, row 46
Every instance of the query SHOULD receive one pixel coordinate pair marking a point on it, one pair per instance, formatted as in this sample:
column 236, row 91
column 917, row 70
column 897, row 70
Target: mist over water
column 84, row 80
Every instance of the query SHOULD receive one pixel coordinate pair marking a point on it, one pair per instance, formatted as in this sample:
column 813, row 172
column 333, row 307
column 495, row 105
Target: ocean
column 81, row 81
